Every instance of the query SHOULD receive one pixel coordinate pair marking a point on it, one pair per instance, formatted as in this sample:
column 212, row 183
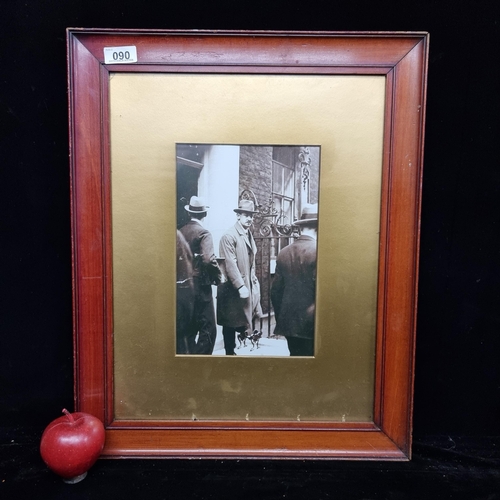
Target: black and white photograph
column 247, row 230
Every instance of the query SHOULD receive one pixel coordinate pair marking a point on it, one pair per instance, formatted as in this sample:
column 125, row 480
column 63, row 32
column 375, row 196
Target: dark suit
column 206, row 272
column 293, row 295
column 185, row 297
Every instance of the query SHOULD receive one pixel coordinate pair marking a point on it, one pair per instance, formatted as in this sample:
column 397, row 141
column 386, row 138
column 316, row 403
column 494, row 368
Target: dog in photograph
column 254, row 339
column 242, row 339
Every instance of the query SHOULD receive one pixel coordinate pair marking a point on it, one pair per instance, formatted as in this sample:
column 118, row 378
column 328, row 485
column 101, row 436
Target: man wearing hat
column 293, row 292
column 238, row 299
column 206, row 272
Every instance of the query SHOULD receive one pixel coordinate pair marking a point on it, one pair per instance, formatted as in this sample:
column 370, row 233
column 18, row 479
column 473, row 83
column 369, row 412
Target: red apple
column 71, row 444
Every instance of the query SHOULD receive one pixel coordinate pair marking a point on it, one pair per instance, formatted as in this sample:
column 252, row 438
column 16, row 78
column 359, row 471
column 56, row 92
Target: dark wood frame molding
column 402, row 57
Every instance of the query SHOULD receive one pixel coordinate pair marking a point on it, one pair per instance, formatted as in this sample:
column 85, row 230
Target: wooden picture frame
column 400, row 59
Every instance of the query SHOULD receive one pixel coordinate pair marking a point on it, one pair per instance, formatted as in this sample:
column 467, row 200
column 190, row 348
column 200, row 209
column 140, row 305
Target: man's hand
column 244, row 292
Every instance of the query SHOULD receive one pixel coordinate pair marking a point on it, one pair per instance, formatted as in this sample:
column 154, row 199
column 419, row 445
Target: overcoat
column 293, row 291
column 206, row 271
column 238, row 249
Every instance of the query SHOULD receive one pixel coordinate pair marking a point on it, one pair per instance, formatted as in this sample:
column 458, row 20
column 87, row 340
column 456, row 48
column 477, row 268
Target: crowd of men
column 238, row 290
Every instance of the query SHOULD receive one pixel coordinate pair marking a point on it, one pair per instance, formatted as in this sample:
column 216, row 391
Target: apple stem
column 68, row 414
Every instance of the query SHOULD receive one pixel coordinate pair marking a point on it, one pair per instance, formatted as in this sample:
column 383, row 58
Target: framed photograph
column 245, row 221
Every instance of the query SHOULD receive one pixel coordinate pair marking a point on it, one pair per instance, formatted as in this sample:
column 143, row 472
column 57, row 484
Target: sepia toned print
column 237, row 231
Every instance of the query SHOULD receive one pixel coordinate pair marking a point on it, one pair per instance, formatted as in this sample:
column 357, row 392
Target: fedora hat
column 196, row 205
column 309, row 215
column 246, row 206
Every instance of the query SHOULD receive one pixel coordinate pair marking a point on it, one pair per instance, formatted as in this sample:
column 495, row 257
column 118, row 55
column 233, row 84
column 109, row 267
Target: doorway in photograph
column 238, row 208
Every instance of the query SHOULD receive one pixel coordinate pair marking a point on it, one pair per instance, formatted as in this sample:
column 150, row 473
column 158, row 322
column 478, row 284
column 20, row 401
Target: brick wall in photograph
column 256, row 171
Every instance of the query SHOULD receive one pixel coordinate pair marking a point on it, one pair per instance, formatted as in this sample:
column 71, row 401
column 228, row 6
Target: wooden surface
column 403, row 58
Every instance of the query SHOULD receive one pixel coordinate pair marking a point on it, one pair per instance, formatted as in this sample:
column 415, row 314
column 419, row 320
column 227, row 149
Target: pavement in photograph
column 268, row 346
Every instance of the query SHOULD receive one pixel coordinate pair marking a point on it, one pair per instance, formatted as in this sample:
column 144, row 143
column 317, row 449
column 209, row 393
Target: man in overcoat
column 238, row 299
column 293, row 292
column 206, row 272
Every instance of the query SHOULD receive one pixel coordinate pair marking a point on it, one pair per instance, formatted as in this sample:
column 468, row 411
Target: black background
column 457, row 385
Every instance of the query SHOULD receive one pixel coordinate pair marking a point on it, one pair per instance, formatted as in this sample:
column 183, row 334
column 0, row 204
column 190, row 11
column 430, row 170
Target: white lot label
column 120, row 55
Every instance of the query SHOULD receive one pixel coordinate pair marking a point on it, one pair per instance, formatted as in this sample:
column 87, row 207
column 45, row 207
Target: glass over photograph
column 247, row 231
